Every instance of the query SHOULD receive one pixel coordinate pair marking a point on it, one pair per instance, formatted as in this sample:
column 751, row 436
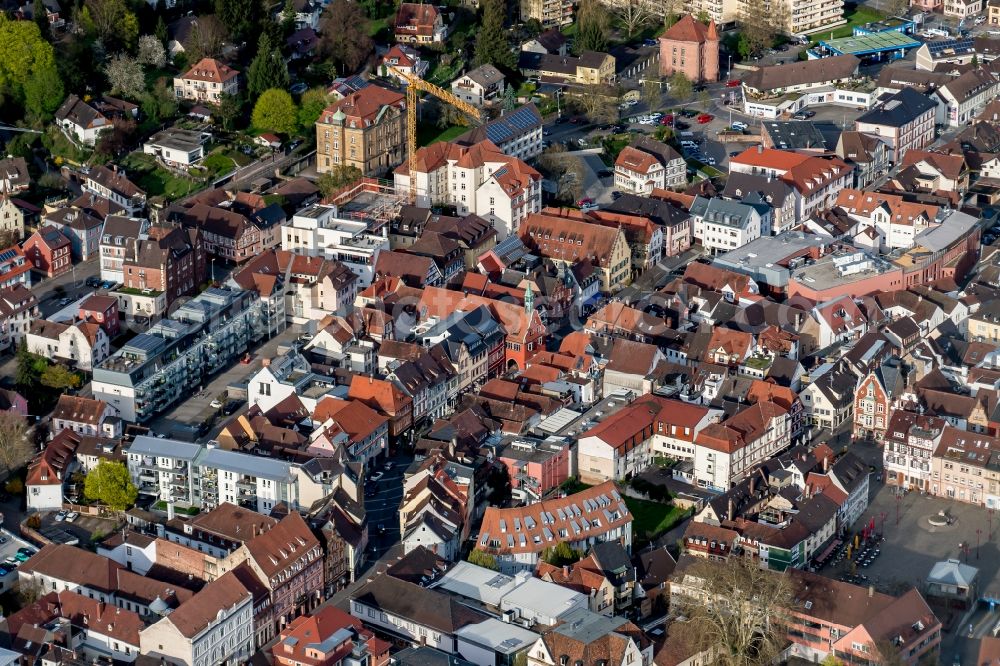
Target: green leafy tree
column 681, row 87
column 268, row 69
column 704, row 17
column 160, row 103
column 229, row 110
column 561, row 554
column 509, row 98
column 110, row 484
column 311, row 106
column 27, row 370
column 594, row 24
column 161, row 30
column 41, row 18
column 744, row 47
column 288, row 18
column 114, row 24
column 275, row 112
column 491, row 40
column 28, row 73
column 482, row 559
column 341, row 175
column 59, row 377
column 239, row 16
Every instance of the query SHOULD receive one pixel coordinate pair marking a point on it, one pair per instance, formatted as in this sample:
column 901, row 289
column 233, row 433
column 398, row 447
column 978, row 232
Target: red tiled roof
column 210, row 69
column 568, row 514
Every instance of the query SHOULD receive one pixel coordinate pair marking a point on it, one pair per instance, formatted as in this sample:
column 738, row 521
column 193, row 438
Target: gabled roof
column 802, row 73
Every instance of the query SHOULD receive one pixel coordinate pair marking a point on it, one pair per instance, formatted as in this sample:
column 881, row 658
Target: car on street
column 704, row 118
column 733, row 83
column 216, row 404
column 60, row 516
column 63, row 302
column 389, row 465
column 804, row 114
column 709, row 161
column 93, row 281
column 377, row 476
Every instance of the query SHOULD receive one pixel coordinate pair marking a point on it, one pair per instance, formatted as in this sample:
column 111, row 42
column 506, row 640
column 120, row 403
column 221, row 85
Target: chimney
column 731, row 512
column 753, row 484
column 566, row 571
column 871, row 591
column 760, row 148
column 826, row 464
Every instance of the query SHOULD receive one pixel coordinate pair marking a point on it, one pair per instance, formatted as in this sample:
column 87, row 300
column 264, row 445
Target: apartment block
column 169, row 362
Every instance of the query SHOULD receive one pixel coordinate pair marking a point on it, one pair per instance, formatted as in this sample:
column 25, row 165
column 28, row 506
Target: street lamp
column 979, row 532
column 558, row 108
column 899, row 498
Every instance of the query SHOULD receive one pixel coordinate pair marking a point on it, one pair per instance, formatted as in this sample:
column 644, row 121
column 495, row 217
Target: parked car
column 739, row 125
column 681, row 125
column 377, row 476
column 733, row 83
column 93, row 281
column 704, row 118
column 584, row 201
column 588, row 207
column 216, row 404
column 298, row 88
column 649, row 42
column 616, row 195
column 581, row 141
column 72, row 516
column 389, row 465
column 60, row 516
column 734, row 153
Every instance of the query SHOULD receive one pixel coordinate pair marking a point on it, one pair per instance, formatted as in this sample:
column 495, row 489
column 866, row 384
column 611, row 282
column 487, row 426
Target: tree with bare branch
column 15, row 447
column 205, row 39
column 736, row 609
column 633, row 14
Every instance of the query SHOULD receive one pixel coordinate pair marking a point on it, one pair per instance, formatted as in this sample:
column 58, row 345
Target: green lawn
column 855, row 15
column 155, row 180
column 650, row 519
column 443, row 74
column 376, row 26
column 428, row 134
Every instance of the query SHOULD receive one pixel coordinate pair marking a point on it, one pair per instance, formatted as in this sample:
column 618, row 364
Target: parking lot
column 81, row 531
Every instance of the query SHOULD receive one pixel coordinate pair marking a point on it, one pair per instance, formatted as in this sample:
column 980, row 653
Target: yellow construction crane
column 413, row 86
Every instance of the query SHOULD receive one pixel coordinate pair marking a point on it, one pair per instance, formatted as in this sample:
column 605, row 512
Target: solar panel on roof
column 7, row 255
